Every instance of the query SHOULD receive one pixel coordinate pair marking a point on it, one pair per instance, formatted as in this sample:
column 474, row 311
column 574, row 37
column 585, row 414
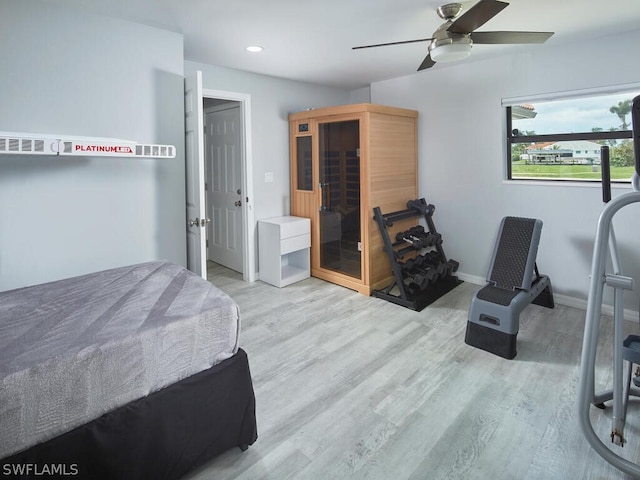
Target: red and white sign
column 88, row 148
column 46, row 144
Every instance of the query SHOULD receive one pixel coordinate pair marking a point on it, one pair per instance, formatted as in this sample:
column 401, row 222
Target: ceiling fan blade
column 510, row 37
column 392, row 43
column 476, row 16
column 426, row 63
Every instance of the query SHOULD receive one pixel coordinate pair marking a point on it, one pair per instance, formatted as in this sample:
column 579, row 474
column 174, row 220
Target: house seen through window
column 562, row 139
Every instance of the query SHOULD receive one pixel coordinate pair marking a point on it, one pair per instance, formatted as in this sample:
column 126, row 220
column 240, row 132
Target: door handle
column 325, row 195
column 199, row 222
column 238, row 203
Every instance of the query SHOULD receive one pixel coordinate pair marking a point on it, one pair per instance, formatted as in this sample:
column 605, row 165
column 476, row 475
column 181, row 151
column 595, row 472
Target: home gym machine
column 421, row 271
column 624, row 350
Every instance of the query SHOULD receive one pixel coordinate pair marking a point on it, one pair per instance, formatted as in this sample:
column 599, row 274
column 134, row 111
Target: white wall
column 272, row 99
column 360, row 95
column 462, row 156
column 67, row 72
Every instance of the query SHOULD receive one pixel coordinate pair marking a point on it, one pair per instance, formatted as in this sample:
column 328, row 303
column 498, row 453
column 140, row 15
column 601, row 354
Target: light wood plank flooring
column 353, row 387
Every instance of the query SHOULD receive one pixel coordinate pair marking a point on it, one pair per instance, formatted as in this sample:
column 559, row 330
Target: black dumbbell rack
column 421, row 271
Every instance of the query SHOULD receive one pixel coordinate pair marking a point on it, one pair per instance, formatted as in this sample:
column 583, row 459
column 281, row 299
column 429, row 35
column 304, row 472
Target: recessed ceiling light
column 254, row 49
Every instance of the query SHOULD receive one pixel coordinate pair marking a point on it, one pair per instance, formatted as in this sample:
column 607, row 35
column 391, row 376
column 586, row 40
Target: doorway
column 223, row 154
column 227, row 179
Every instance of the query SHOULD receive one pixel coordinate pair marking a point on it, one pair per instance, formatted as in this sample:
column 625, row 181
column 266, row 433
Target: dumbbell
column 421, row 206
column 408, row 265
column 412, row 264
column 414, row 241
column 431, row 258
column 443, row 269
column 422, row 260
column 411, row 289
column 427, row 259
column 447, row 268
column 453, row 266
column 421, row 276
column 427, row 239
column 431, row 239
column 425, row 277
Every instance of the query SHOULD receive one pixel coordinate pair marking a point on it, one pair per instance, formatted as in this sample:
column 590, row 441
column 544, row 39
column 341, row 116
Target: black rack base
column 422, row 299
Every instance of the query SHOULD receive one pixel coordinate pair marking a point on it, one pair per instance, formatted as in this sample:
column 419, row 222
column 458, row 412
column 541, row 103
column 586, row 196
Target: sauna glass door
column 339, row 162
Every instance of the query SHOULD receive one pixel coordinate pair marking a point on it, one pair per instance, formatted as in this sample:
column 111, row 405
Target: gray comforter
column 74, row 349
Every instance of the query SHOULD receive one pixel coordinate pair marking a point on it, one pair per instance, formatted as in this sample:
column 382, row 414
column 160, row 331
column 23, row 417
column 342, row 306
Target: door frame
column 248, row 228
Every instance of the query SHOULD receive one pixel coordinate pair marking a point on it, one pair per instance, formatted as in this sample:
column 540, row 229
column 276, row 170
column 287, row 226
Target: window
column 561, row 139
column 303, row 163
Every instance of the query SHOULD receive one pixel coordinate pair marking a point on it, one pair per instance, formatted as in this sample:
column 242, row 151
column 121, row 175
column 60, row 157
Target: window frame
column 511, row 139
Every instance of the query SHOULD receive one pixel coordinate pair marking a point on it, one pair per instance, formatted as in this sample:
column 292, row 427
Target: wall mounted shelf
column 44, row 144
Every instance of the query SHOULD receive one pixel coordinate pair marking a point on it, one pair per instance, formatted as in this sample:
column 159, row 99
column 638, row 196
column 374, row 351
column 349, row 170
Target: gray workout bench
column 514, row 283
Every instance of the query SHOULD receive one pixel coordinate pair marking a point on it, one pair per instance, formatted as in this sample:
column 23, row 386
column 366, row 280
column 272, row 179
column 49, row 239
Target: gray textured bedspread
column 73, row 349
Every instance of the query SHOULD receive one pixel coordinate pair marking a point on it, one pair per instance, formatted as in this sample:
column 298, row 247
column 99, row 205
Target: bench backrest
column 514, row 255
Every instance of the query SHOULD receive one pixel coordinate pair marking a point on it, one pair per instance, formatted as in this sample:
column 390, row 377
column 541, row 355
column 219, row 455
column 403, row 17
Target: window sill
column 568, row 183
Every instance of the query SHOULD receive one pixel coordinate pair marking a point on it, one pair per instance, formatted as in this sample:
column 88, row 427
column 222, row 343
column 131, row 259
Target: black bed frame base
column 161, row 436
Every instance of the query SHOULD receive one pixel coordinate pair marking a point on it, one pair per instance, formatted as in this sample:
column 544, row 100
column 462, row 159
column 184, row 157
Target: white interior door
column 194, row 158
column 225, row 198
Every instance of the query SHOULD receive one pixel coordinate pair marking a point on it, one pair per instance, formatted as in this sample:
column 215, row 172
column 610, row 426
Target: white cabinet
column 284, row 244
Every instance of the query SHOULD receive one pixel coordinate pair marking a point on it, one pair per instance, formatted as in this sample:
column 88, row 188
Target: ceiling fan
column 453, row 39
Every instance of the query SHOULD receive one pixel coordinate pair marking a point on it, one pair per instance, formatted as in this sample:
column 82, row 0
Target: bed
column 133, row 372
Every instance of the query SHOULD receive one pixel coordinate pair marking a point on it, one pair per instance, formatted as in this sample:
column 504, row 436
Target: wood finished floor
column 353, row 387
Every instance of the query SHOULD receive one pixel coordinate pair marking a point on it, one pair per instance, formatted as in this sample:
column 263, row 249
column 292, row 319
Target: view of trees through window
column 562, row 139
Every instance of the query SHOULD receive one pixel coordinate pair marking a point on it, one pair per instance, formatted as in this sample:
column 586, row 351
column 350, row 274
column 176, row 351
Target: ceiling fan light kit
column 450, row 49
column 453, row 40
column 451, row 52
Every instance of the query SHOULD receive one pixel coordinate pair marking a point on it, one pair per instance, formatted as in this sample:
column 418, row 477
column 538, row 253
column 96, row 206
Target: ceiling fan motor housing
column 443, row 37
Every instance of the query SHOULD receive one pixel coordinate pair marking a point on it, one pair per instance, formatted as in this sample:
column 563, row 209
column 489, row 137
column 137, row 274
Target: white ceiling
column 311, row 40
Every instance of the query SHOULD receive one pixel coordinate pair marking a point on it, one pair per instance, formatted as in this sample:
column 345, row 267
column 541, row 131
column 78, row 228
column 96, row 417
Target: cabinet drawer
column 292, row 244
column 294, row 227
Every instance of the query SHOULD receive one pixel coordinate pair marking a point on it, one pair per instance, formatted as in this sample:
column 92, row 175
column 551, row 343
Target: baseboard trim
column 465, row 277
column 566, row 300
